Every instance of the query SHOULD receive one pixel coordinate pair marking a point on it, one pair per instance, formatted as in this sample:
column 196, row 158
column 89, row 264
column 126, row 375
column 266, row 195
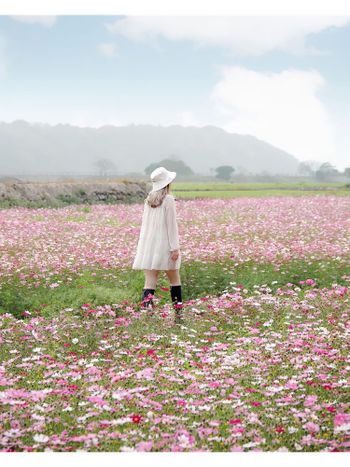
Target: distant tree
column 105, row 166
column 175, row 165
column 347, row 172
column 304, row 168
column 326, row 171
column 224, row 172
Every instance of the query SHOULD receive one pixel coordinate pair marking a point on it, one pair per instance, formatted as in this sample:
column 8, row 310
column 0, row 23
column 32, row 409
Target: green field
column 234, row 190
column 98, row 286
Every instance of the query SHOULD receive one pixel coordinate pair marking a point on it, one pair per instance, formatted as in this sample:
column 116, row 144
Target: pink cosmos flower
column 310, row 401
column 214, row 384
column 291, row 384
column 311, row 427
column 310, row 282
column 341, row 419
column 144, row 446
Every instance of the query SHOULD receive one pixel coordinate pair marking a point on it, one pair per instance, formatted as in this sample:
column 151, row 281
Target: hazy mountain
column 31, row 148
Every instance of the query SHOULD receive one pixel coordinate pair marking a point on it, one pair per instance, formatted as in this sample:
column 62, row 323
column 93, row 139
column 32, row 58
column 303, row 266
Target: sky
column 283, row 79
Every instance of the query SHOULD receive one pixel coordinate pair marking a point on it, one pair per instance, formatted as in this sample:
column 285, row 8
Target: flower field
column 260, row 361
column 41, row 242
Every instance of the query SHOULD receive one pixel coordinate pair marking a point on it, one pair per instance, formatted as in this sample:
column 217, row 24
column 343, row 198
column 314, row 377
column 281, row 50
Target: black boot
column 176, row 297
column 147, row 302
column 176, row 294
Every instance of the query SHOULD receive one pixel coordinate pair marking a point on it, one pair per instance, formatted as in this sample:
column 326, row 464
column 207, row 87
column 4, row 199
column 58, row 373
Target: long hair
column 156, row 198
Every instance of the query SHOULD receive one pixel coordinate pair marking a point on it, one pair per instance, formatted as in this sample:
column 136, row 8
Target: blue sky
column 284, row 80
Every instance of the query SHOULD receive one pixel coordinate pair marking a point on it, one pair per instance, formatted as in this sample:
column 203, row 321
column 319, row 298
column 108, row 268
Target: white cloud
column 244, row 35
column 46, row 21
column 282, row 108
column 108, row 50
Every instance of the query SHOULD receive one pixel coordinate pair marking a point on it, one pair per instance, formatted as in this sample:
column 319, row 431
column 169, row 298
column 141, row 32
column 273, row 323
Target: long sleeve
column 171, row 224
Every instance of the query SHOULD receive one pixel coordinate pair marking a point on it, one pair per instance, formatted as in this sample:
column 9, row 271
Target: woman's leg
column 176, row 293
column 174, row 276
column 151, row 278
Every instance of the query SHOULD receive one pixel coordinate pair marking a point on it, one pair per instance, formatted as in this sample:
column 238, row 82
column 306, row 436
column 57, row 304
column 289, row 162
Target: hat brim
column 159, row 185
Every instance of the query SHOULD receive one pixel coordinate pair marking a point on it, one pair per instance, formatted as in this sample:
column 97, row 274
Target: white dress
column 158, row 237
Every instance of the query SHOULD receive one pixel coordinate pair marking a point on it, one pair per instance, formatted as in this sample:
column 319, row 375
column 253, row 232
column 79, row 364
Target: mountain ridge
column 30, row 147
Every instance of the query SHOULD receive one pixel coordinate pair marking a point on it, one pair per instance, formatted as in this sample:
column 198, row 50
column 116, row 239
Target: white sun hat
column 161, row 177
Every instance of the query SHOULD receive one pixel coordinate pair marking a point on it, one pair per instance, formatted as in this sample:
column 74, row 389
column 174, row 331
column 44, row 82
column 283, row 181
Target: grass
column 236, row 190
column 100, row 287
column 232, row 186
column 253, row 193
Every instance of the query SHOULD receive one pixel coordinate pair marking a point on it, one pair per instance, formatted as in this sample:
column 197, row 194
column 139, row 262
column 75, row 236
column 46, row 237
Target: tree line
column 313, row 169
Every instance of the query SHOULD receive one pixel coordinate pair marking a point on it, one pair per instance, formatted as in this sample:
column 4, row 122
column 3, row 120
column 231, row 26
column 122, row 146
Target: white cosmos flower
column 340, row 428
column 41, row 438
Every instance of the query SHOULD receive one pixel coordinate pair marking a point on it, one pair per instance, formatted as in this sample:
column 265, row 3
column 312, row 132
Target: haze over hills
column 31, row 148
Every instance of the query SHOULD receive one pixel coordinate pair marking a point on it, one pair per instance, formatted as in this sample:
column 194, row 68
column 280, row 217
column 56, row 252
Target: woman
column 158, row 247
